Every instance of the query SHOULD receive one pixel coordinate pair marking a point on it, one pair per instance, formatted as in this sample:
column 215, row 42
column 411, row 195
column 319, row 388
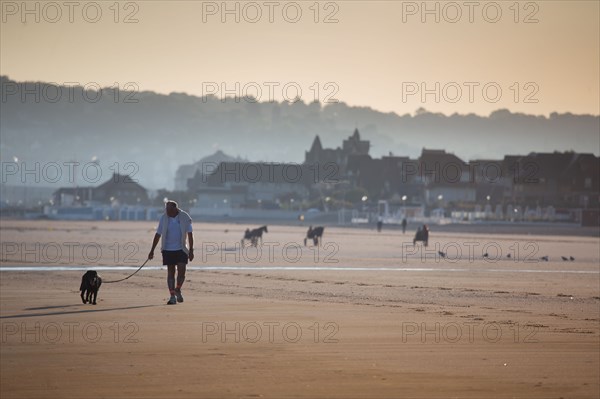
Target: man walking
column 379, row 223
column 175, row 227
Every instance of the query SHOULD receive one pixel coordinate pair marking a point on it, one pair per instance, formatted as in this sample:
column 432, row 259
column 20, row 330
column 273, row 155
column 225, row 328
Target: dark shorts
column 174, row 257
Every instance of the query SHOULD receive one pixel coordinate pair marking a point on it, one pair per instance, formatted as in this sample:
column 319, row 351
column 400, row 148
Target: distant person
column 404, row 225
column 422, row 234
column 425, row 233
column 175, row 227
column 379, row 223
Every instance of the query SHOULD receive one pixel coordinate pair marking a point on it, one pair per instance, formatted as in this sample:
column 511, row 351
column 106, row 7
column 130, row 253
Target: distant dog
column 90, row 284
column 315, row 234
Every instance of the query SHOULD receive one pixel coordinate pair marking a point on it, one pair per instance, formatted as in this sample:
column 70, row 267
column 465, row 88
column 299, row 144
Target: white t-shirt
column 173, row 236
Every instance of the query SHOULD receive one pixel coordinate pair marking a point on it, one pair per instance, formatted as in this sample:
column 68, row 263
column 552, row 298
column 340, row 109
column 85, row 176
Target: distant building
column 436, row 179
column 492, row 179
column 565, row 179
column 206, row 165
column 250, row 183
column 441, row 167
column 119, row 189
column 67, row 196
column 446, row 178
column 352, row 146
column 388, row 177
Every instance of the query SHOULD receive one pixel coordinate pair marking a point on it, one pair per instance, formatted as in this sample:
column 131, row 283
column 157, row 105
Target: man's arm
column 191, row 241
column 154, row 243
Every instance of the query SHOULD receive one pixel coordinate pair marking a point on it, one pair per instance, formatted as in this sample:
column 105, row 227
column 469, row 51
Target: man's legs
column 171, row 282
column 180, row 279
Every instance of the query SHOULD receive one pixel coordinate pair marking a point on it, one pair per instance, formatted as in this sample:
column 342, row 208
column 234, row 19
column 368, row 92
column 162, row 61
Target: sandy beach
column 367, row 315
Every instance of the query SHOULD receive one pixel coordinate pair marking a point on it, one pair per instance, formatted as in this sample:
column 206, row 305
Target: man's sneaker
column 179, row 296
column 172, row 301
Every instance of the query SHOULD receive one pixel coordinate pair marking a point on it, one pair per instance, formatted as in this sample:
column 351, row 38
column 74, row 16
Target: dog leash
column 140, row 268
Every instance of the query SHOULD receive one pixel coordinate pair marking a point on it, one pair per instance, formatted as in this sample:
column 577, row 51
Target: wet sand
column 367, row 315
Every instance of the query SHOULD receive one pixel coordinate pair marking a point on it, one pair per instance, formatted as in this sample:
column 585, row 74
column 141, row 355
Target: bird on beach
column 508, row 256
column 571, row 258
column 485, row 255
column 544, row 258
column 564, row 258
column 442, row 254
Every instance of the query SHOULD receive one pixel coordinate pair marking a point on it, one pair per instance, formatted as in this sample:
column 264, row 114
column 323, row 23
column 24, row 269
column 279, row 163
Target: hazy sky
column 543, row 56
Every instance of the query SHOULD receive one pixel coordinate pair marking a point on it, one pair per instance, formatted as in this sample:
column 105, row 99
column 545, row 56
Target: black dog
column 90, row 284
column 315, row 234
